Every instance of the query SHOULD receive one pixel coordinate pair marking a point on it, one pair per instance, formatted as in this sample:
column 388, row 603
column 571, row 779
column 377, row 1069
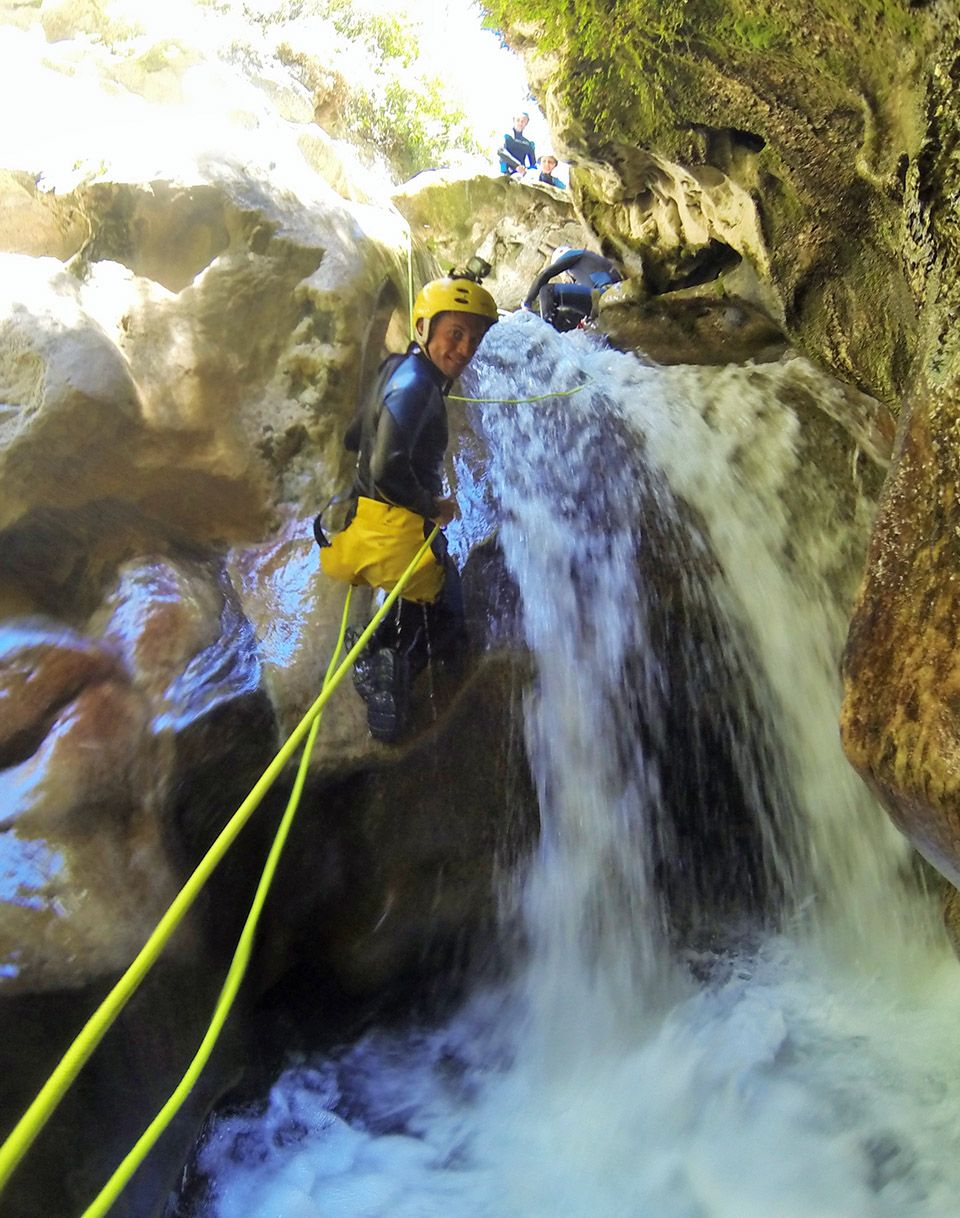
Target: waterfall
column 729, row 1000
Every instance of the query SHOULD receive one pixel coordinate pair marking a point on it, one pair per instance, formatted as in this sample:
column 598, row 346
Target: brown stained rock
column 85, row 879
column 901, row 710
column 83, row 767
column 121, row 755
column 160, row 613
column 42, row 667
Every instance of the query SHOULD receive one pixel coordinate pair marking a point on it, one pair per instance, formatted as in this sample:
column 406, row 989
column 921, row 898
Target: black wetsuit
column 551, row 180
column 565, row 305
column 400, row 437
column 520, row 148
column 401, row 434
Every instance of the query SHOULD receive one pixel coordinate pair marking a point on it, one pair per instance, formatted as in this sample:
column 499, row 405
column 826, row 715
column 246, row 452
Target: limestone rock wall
column 185, row 328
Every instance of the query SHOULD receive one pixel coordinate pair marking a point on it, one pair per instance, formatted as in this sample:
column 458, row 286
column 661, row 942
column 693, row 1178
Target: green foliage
column 634, row 64
column 393, row 110
column 385, row 37
column 412, row 129
column 616, row 53
column 756, row 33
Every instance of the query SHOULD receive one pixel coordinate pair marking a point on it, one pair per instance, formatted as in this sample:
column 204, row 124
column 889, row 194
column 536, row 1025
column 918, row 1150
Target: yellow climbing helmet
column 450, row 296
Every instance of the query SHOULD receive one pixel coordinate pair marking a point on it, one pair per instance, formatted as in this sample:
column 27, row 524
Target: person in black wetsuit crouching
column 400, row 437
column 568, row 305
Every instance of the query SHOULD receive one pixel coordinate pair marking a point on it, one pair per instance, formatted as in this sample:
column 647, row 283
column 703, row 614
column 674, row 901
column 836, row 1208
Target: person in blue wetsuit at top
column 400, row 438
column 567, row 305
column 517, row 152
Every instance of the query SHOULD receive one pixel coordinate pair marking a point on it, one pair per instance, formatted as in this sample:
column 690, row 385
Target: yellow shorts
column 376, row 548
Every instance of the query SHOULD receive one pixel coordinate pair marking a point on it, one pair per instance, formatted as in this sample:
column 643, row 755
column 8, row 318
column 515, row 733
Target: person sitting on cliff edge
column 548, row 164
column 400, row 437
column 569, row 305
column 516, row 151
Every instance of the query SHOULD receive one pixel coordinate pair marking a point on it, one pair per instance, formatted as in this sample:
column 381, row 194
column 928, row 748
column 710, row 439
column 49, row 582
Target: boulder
column 514, row 225
column 185, row 325
column 85, row 877
column 689, row 326
column 899, row 718
column 65, row 387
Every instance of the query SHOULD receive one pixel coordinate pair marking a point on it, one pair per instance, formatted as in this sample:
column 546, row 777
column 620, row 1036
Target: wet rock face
column 814, row 146
column 170, row 426
column 179, row 358
column 900, row 724
column 690, row 326
column 73, row 746
column 101, row 734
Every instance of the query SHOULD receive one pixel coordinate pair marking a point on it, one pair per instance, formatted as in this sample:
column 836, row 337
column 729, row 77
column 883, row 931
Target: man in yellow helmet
column 400, row 437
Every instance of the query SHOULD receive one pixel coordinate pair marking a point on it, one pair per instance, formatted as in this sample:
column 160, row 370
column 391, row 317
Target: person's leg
column 547, row 301
column 573, row 305
column 448, row 638
column 382, row 672
column 438, row 630
column 388, row 699
column 406, row 641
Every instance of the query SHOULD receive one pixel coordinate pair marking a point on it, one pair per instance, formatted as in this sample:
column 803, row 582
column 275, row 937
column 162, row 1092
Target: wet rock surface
column 900, row 668
column 690, row 326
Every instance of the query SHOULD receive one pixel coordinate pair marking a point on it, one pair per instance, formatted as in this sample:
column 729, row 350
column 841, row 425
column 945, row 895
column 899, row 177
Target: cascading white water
column 808, row 1069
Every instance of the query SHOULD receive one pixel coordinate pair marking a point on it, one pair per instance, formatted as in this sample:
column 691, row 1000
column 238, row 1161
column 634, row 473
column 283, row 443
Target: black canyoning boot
column 363, row 666
column 388, row 702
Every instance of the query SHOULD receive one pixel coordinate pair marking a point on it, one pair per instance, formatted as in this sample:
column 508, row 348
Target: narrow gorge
column 651, row 911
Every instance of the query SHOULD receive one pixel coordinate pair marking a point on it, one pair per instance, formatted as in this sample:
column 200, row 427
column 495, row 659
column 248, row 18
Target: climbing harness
column 33, row 1120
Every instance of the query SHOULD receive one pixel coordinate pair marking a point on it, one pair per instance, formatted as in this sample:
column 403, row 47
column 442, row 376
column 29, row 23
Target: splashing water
column 730, row 1003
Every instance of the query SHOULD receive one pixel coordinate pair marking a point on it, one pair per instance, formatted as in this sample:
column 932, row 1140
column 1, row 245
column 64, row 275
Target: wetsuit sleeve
column 391, row 467
column 550, row 272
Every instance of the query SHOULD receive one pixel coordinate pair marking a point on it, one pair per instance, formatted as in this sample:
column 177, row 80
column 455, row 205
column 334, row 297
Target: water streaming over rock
column 729, row 1000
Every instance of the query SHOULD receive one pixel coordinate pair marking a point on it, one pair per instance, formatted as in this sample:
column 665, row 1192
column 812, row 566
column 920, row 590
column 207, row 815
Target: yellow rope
column 560, row 393
column 27, row 1129
column 413, row 333
column 235, row 974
